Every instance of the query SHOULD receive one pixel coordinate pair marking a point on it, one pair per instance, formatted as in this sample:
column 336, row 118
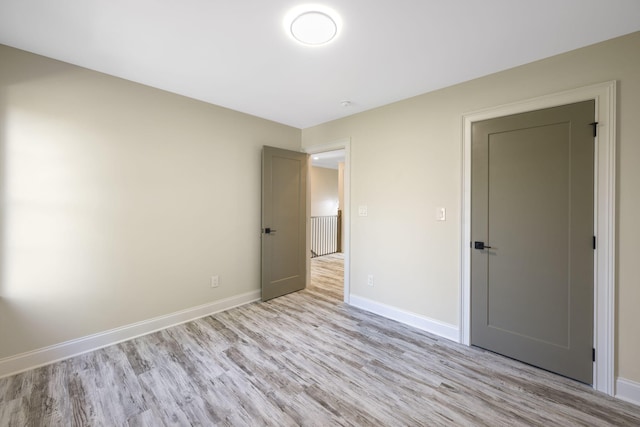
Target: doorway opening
column 328, row 229
column 326, row 194
column 327, row 202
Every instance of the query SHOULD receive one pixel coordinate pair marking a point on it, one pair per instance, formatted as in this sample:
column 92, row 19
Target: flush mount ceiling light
column 312, row 25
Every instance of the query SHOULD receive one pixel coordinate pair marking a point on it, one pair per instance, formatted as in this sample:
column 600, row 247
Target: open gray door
column 284, row 216
column 532, row 238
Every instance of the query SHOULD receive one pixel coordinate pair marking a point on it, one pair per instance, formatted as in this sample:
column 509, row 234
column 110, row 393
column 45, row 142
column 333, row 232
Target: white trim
column 341, row 144
column 435, row 327
column 628, row 390
column 604, row 275
column 47, row 355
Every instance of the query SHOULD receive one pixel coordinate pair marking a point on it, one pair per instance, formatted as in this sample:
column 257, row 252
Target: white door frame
column 604, row 95
column 341, row 144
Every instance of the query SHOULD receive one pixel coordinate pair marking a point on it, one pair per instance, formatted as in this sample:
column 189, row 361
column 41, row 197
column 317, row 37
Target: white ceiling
column 235, row 53
column 328, row 159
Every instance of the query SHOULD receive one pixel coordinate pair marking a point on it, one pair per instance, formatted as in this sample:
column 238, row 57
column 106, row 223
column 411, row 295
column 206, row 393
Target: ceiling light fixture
column 312, row 25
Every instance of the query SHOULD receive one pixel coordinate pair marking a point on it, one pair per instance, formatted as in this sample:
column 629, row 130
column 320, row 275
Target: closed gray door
column 532, row 208
column 284, row 214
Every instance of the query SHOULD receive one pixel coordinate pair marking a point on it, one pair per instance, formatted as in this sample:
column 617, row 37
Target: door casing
column 604, row 95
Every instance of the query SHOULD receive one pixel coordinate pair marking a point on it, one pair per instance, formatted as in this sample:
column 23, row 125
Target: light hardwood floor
column 302, row 359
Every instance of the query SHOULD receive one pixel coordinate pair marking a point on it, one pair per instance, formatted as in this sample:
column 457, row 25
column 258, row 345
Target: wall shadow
column 3, row 190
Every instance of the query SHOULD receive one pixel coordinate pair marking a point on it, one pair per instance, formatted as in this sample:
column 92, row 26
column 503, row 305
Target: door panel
column 532, row 203
column 284, row 201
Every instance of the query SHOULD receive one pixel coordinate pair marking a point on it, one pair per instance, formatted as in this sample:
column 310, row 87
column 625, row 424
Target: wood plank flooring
column 302, row 359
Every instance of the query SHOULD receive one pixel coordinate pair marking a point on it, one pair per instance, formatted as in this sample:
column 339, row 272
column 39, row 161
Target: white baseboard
column 435, row 327
column 47, row 355
column 628, row 390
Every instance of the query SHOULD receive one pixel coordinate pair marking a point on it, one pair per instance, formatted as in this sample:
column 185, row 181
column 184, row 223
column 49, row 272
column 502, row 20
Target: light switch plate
column 362, row 210
column 441, row 214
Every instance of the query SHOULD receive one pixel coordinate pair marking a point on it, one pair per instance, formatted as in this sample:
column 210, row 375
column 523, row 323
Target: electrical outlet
column 370, row 280
column 215, row 281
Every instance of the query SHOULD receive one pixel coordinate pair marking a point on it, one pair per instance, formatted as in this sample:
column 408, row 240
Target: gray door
column 284, row 214
column 532, row 208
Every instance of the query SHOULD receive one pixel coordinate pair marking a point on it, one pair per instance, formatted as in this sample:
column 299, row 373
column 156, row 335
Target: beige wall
column 119, row 201
column 406, row 162
column 324, row 191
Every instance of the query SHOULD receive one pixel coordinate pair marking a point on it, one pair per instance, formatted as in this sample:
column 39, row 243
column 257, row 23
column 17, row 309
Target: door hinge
column 593, row 354
column 595, row 128
column 594, row 242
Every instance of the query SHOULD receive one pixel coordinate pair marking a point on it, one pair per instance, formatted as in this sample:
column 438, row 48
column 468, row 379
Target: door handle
column 480, row 246
column 269, row 230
